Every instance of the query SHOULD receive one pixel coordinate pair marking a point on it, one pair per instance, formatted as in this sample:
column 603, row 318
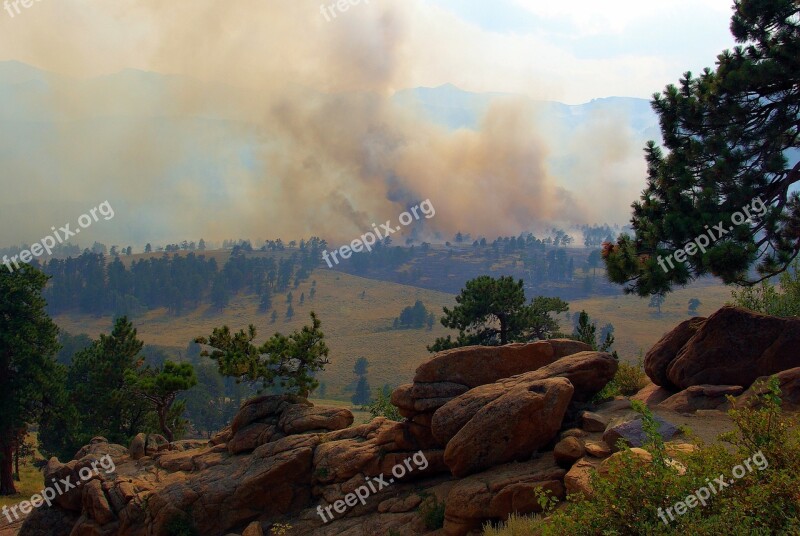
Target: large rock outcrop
column 663, row 353
column 283, row 459
column 734, row 346
column 588, row 372
column 500, row 491
column 511, row 427
column 451, row 373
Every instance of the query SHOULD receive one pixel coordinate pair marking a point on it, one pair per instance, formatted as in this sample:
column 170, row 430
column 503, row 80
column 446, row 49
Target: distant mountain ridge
column 29, row 94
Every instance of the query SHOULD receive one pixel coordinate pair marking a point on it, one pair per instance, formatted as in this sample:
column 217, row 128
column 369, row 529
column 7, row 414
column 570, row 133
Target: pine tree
column 30, row 377
column 289, row 362
column 728, row 138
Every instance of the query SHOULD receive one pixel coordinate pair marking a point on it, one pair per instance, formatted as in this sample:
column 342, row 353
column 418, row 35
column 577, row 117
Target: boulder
column 658, row 359
column 146, row 445
column 263, row 409
column 588, row 372
column 299, row 418
column 592, row 422
column 251, row 436
column 473, row 366
column 578, row 479
column 640, row 456
column 99, row 447
column 736, row 346
column 437, row 390
column 253, row 529
column 632, row 432
column 221, row 437
column 500, row 491
column 273, row 481
column 652, row 395
column 699, row 397
column 568, row 451
column 95, row 503
column 512, row 427
column 789, row 382
column 597, row 449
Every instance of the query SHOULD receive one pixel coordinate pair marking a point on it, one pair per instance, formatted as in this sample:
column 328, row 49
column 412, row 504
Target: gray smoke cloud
column 278, row 124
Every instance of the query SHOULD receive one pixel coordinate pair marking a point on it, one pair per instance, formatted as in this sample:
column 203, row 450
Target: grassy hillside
column 353, row 326
column 638, row 327
column 357, row 327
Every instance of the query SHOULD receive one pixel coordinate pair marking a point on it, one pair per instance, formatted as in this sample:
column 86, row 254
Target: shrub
column 280, row 529
column 180, row 525
column 514, row 526
column 762, row 502
column 432, row 512
column 628, row 380
column 382, row 407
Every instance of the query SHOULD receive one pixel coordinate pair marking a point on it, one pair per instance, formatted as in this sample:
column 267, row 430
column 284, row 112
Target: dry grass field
column 356, row 326
column 353, row 326
column 638, row 327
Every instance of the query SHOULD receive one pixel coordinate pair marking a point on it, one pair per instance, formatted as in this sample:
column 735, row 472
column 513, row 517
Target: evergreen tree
column 731, row 137
column 656, row 301
column 30, row 377
column 493, row 312
column 361, row 366
column 160, row 387
column 363, row 394
column 266, row 301
column 102, row 398
column 287, row 362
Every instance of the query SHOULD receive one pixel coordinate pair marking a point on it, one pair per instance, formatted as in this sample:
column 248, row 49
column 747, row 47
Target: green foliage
column 363, row 392
column 586, row 332
column 382, row 407
column 493, row 312
column 181, row 525
column 762, row 502
column 413, row 317
column 628, row 380
column 287, row 362
column 361, row 367
column 280, row 529
column 656, row 301
column 728, row 136
column 104, row 402
column 432, row 513
column 766, row 298
column 30, row 377
column 160, row 388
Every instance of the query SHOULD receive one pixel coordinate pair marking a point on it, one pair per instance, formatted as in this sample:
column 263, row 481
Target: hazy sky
column 311, row 141
column 567, row 50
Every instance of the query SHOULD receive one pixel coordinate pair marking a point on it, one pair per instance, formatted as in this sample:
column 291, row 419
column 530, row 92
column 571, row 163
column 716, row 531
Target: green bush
column 782, row 300
column 382, row 407
column 628, row 380
column 628, row 499
column 432, row 512
column 180, row 525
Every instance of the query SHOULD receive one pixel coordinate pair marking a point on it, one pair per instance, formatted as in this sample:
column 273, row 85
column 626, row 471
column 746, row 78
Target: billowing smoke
column 276, row 123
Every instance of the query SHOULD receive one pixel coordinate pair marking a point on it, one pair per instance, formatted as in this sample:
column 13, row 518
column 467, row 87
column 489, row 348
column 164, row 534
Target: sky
column 567, row 50
column 311, row 141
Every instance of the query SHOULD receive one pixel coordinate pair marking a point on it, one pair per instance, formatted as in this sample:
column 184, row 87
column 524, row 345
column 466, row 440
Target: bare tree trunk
column 16, row 462
column 7, row 486
column 162, row 421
